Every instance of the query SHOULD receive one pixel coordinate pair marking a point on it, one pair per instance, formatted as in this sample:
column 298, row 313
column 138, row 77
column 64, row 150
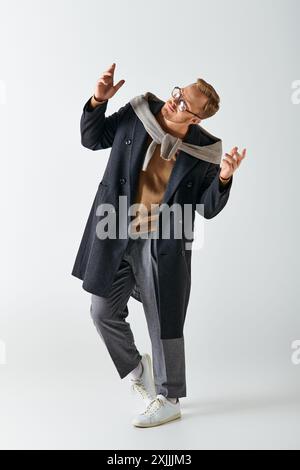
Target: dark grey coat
column 192, row 181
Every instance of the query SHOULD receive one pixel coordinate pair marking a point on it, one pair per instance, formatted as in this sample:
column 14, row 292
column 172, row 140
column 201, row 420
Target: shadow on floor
column 238, row 404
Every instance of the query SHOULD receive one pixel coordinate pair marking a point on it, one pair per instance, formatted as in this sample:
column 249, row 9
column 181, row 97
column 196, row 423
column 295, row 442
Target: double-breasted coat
column 192, row 181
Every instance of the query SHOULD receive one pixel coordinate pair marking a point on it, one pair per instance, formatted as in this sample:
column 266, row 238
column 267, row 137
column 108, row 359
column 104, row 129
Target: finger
column 107, row 78
column 233, row 150
column 235, row 155
column 226, row 163
column 111, row 68
column 119, row 84
column 104, row 78
column 239, row 157
column 242, row 157
column 234, row 164
column 103, row 81
column 107, row 74
column 231, row 160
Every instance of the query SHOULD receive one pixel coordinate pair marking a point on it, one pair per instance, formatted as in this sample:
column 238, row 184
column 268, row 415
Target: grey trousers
column 139, row 265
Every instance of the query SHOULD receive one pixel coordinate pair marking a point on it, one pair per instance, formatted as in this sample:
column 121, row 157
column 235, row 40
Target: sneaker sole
column 151, row 425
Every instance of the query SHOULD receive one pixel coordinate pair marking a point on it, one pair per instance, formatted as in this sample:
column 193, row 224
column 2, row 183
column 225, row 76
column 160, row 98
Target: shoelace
column 139, row 386
column 155, row 405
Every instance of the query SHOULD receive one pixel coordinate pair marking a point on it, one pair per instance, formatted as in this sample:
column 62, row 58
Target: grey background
column 58, row 387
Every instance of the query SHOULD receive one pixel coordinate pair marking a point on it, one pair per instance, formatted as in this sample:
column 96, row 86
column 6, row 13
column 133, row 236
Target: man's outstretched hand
column 231, row 162
column 105, row 88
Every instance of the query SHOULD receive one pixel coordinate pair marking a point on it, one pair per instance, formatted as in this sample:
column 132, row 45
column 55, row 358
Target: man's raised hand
column 231, row 162
column 105, row 88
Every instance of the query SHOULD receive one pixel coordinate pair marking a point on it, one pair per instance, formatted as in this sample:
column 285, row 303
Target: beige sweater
column 151, row 188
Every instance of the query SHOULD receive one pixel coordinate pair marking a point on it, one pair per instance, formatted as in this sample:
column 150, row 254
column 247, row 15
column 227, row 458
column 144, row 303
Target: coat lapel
column 184, row 162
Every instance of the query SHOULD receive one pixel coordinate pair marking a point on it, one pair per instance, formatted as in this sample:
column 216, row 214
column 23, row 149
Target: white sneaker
column 159, row 411
column 144, row 385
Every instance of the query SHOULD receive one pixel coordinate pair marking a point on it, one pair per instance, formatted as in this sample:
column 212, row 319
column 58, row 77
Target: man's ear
column 197, row 120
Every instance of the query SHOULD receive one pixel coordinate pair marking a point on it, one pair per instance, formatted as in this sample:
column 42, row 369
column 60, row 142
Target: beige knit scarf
column 169, row 143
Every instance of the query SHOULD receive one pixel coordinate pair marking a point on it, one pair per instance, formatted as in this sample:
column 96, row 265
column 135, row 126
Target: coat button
column 189, row 184
column 122, row 180
column 128, row 142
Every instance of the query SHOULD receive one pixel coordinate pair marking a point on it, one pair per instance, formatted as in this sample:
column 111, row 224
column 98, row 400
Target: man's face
column 195, row 101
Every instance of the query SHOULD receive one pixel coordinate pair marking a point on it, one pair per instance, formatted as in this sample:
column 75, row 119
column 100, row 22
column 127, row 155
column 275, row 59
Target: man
column 160, row 158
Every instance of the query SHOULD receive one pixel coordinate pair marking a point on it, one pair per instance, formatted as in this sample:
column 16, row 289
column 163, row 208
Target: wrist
column 224, row 180
column 95, row 102
column 98, row 99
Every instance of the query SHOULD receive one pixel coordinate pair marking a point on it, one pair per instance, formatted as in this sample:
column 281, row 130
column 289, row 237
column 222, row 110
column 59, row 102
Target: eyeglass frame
column 179, row 99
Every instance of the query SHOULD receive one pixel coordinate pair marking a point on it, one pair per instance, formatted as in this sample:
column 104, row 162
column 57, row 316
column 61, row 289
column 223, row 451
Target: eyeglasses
column 182, row 106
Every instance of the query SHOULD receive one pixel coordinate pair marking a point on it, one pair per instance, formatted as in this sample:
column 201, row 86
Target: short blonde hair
column 213, row 104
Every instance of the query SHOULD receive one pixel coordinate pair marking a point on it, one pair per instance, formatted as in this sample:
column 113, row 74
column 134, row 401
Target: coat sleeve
column 97, row 130
column 213, row 194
